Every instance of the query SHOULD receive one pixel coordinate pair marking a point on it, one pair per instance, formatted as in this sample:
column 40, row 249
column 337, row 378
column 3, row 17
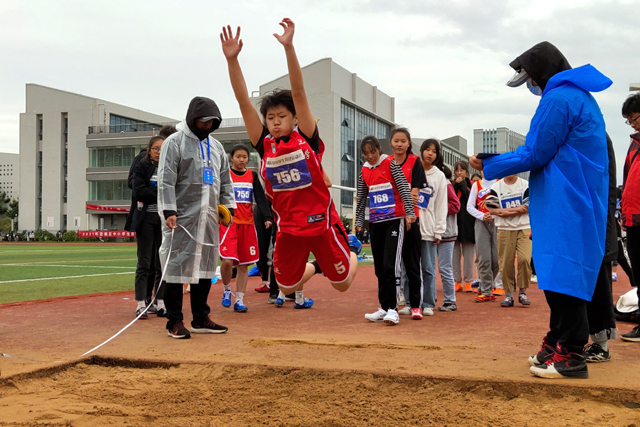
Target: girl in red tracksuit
column 390, row 214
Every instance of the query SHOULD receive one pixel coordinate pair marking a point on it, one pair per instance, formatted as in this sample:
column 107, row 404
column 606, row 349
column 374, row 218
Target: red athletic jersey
column 243, row 190
column 407, row 169
column 294, row 183
column 385, row 201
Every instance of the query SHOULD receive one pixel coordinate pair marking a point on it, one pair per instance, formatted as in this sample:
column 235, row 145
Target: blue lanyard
column 208, row 151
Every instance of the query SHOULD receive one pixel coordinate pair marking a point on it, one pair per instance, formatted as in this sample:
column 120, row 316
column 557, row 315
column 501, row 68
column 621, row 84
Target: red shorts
column 239, row 243
column 331, row 250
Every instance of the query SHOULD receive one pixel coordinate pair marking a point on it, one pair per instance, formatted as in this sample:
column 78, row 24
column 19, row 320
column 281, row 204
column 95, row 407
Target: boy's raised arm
column 231, row 47
column 306, row 122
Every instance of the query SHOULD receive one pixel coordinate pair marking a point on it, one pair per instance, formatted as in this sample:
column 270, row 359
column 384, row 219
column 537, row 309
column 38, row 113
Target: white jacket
column 433, row 219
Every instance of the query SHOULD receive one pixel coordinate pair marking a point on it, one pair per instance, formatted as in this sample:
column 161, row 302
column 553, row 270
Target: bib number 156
column 286, row 177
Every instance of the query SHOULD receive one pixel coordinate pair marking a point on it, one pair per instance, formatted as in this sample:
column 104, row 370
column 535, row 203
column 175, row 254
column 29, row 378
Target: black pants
column 633, row 249
column 264, row 240
column 624, row 263
column 173, row 300
column 386, row 247
column 568, row 323
column 600, row 308
column 411, row 259
column 148, row 271
column 533, row 268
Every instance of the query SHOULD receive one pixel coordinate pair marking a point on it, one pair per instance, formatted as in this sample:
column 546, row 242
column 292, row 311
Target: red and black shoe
column 208, row 327
column 562, row 365
column 546, row 352
column 264, row 287
column 179, row 331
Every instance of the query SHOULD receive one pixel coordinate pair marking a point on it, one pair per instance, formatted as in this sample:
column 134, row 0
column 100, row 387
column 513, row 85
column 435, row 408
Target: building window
column 347, row 151
column 119, row 124
column 109, row 190
column 109, row 157
column 39, row 126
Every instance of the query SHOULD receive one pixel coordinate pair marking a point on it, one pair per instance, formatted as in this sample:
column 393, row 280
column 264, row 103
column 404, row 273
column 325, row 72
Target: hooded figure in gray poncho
column 193, row 179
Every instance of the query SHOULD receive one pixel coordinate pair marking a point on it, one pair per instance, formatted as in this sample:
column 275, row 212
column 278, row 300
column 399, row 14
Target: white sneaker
column 391, row 318
column 534, row 278
column 378, row 316
column 405, row 311
column 427, row 312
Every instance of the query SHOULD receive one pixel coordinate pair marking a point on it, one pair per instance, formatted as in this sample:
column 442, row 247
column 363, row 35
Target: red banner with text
column 114, row 233
column 106, row 208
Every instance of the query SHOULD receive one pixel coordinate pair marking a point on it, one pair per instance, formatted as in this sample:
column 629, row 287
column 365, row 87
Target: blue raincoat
column 566, row 152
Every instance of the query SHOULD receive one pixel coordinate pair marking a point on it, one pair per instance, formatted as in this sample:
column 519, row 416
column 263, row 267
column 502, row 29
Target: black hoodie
column 541, row 62
column 202, row 107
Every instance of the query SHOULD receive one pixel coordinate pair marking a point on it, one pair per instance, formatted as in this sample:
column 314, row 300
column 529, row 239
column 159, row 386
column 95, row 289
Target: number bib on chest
column 243, row 192
column 424, row 197
column 512, row 202
column 382, row 203
column 288, row 172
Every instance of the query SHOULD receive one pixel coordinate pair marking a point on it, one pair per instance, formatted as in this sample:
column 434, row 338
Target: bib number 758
column 286, row 177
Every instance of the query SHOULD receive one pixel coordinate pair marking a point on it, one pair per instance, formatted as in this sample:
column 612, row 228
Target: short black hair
column 631, row 105
column 462, row 164
column 167, row 130
column 438, row 162
column 152, row 141
column 239, row 147
column 402, row 130
column 476, row 174
column 370, row 141
column 277, row 97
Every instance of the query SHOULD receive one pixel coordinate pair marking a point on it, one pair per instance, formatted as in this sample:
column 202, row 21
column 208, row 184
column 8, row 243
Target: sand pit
column 107, row 392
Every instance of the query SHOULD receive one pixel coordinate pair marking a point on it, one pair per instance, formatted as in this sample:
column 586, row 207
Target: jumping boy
column 291, row 152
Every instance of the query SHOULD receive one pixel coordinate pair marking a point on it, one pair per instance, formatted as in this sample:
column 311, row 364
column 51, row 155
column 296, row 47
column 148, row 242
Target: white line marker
column 64, row 277
column 63, row 265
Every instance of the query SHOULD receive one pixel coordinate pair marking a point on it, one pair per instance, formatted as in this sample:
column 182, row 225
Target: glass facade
column 109, row 190
column 108, row 157
column 125, row 124
column 355, row 125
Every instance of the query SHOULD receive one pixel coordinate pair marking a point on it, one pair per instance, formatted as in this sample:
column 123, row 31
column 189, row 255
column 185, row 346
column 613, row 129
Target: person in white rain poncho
column 193, row 179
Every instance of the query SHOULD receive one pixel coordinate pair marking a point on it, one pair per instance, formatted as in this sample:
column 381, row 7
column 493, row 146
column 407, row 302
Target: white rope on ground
column 63, row 265
column 155, row 295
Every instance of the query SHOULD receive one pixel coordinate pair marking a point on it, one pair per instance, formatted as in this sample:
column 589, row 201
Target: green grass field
column 29, row 272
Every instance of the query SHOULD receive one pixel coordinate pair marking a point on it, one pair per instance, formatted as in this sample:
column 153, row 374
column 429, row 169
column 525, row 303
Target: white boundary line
column 63, row 277
column 62, row 265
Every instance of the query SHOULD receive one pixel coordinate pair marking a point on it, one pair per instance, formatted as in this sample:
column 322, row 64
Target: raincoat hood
column 587, row 78
column 541, row 62
column 202, row 107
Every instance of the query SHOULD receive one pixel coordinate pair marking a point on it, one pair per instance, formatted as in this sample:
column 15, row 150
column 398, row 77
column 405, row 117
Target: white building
column 58, row 130
column 499, row 140
column 10, row 174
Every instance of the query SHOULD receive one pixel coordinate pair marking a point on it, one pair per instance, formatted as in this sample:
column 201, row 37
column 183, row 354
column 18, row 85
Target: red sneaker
column 264, row 287
column 416, row 313
column 484, row 298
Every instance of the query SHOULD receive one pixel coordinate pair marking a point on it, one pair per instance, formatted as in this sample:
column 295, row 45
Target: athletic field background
column 38, row 271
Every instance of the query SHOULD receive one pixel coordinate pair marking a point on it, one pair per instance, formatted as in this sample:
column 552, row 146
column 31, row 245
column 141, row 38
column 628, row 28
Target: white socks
column 160, row 303
column 227, row 287
column 142, row 304
column 239, row 296
column 299, row 297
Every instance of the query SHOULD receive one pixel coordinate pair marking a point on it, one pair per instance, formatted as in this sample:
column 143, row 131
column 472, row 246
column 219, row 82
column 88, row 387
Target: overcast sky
column 446, row 63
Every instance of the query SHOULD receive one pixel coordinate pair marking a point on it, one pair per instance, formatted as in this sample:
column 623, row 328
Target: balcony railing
column 150, row 127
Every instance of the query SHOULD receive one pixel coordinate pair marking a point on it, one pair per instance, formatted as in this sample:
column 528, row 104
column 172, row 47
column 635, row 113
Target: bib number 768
column 286, row 177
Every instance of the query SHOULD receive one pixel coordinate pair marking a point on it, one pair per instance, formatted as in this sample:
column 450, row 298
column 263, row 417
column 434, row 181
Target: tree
column 4, row 201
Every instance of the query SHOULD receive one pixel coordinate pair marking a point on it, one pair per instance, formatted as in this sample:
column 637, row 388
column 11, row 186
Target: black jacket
column 141, row 155
column 143, row 192
column 466, row 221
column 611, row 243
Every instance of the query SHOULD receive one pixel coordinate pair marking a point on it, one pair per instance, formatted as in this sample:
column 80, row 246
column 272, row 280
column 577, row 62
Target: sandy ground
column 323, row 366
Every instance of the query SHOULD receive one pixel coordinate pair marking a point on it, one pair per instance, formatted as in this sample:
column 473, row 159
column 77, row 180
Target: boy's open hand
column 231, row 46
column 289, row 28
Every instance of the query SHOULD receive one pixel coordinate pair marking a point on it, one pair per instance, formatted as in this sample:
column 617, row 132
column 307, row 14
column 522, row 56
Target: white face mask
column 536, row 90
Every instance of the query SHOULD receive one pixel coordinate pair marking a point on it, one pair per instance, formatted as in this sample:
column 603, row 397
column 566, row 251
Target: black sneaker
column 545, row 353
column 208, row 327
column 634, row 335
column 448, row 306
column 562, row 365
column 594, row 353
column 144, row 315
column 161, row 312
column 153, row 308
column 179, row 331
